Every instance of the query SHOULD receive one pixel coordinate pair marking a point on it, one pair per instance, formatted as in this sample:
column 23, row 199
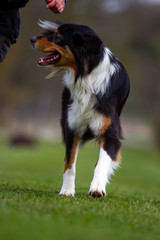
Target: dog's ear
column 78, row 40
column 93, row 43
column 90, row 41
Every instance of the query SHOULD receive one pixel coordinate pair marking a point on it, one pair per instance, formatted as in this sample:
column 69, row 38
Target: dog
column 96, row 89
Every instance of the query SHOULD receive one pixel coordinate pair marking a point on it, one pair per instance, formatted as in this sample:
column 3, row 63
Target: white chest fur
column 81, row 113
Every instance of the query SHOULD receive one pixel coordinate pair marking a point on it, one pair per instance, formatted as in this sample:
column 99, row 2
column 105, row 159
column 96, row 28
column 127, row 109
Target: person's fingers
column 51, row 3
column 56, row 6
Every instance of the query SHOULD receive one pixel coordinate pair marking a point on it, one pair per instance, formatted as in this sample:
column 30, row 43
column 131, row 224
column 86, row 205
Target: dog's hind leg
column 104, row 168
column 68, row 186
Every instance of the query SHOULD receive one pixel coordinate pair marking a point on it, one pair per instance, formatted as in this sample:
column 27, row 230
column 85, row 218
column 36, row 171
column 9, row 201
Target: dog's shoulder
column 116, row 92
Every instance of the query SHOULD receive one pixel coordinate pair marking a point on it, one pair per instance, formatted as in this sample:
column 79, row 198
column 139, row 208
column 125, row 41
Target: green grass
column 30, row 207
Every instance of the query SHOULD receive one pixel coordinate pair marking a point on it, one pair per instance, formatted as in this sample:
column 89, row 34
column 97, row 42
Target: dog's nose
column 33, row 40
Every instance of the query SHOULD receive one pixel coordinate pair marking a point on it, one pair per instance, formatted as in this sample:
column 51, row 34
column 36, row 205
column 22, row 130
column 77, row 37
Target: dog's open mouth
column 50, row 59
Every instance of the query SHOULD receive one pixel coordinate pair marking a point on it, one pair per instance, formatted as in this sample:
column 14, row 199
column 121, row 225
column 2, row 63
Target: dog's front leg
column 68, row 186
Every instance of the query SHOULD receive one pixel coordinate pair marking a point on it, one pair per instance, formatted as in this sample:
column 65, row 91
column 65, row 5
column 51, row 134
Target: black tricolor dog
column 96, row 89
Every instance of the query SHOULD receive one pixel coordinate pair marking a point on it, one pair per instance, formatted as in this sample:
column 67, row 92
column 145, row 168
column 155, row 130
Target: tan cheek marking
column 105, row 125
column 68, row 165
column 56, row 31
column 67, row 59
column 44, row 45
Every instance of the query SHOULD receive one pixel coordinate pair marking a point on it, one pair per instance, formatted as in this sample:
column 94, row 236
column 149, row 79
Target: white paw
column 67, row 192
column 97, row 191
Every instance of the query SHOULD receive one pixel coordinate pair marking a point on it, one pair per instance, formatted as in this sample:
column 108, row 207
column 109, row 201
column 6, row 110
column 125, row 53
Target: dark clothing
column 6, row 4
column 9, row 24
column 4, row 46
column 9, row 18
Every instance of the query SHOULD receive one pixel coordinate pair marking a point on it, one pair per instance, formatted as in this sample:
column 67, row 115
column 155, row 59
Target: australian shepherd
column 96, row 89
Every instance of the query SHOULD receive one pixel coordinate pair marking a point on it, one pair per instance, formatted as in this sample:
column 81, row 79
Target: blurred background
column 30, row 105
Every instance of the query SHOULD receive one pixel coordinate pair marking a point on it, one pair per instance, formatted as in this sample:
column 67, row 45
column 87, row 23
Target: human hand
column 57, row 6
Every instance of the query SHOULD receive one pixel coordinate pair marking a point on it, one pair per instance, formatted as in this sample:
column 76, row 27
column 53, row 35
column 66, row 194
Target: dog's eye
column 58, row 39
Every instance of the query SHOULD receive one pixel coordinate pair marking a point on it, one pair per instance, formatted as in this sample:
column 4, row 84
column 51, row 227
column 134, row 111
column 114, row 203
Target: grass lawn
column 30, row 207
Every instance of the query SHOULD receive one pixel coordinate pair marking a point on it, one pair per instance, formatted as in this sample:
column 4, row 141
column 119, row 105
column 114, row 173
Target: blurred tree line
column 129, row 28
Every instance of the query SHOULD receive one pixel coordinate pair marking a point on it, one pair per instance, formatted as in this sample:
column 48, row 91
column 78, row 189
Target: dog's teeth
column 53, row 58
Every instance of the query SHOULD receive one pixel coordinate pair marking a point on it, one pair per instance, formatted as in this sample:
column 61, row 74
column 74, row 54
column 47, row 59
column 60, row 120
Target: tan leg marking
column 118, row 156
column 105, row 125
column 68, row 165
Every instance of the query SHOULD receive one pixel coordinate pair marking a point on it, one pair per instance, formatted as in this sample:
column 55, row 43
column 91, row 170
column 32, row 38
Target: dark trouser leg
column 4, row 47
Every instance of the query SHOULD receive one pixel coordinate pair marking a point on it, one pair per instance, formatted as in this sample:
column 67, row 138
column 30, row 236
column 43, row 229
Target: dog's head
column 69, row 46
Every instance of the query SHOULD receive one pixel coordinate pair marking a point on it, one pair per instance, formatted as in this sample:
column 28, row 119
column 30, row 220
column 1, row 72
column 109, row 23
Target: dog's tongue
column 49, row 60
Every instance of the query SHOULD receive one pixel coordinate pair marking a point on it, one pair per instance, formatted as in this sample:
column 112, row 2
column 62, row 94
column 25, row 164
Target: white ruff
column 81, row 113
column 96, row 81
column 102, row 173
